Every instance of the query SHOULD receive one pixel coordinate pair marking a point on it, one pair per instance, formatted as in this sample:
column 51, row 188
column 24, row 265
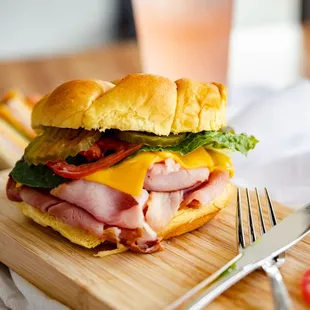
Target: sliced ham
column 68, row 213
column 146, row 242
column 77, row 217
column 12, row 191
column 167, row 177
column 162, row 207
column 207, row 191
column 106, row 204
column 133, row 221
column 41, row 200
column 140, row 240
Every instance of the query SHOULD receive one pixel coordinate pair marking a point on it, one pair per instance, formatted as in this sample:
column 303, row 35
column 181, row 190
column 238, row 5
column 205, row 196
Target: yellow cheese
column 128, row 177
column 222, row 161
column 197, row 159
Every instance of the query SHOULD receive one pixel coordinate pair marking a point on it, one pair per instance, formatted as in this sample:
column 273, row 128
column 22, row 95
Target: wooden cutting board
column 75, row 277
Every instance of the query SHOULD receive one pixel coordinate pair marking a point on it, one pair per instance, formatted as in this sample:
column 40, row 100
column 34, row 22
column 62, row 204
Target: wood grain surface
column 135, row 281
column 40, row 76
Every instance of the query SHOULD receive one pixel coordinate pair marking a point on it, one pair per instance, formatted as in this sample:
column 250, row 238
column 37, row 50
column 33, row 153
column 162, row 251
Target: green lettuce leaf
column 209, row 139
column 36, row 176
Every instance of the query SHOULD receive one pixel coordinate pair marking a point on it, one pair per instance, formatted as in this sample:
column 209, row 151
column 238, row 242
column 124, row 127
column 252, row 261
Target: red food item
column 93, row 153
column 305, row 285
column 12, row 191
column 110, row 143
column 121, row 150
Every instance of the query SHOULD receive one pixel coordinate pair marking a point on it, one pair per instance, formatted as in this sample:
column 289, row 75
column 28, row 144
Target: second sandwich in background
column 15, row 127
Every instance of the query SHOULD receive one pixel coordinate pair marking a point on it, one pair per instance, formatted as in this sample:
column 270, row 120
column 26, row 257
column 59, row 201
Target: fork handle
column 281, row 297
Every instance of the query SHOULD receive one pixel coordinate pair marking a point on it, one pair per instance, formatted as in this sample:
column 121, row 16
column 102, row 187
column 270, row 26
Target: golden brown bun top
column 139, row 102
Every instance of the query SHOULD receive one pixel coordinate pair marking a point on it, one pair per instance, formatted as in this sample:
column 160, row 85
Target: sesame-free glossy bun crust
column 138, row 102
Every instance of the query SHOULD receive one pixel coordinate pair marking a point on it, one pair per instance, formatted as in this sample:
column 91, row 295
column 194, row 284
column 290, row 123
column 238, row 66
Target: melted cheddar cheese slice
column 128, row 177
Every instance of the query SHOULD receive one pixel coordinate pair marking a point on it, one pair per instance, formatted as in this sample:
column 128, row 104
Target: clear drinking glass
column 184, row 38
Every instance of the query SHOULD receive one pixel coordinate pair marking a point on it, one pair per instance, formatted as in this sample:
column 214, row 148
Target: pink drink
column 184, row 38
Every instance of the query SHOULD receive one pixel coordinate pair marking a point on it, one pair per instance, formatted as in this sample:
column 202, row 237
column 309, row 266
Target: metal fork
column 271, row 267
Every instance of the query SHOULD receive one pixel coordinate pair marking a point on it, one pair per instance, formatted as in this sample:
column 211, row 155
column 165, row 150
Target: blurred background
column 266, row 43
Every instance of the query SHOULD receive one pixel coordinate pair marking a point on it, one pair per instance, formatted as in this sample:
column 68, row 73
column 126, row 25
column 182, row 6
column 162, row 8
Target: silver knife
column 277, row 240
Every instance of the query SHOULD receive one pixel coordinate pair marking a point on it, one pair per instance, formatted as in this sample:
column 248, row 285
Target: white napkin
column 18, row 294
column 281, row 162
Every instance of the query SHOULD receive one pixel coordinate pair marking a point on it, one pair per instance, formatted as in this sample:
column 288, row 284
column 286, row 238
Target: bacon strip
column 122, row 149
column 94, row 153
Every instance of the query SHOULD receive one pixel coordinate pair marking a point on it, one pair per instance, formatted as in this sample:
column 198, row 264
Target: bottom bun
column 185, row 220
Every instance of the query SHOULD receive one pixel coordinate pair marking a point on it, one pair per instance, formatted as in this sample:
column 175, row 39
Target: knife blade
column 277, row 240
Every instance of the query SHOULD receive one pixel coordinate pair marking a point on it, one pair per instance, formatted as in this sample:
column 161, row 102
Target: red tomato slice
column 305, row 284
column 122, row 150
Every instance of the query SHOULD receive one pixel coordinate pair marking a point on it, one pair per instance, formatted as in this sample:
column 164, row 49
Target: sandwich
column 130, row 163
column 15, row 127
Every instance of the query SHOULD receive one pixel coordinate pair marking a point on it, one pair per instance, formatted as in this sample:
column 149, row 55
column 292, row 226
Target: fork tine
column 260, row 211
column 273, row 220
column 272, row 215
column 252, row 234
column 239, row 221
